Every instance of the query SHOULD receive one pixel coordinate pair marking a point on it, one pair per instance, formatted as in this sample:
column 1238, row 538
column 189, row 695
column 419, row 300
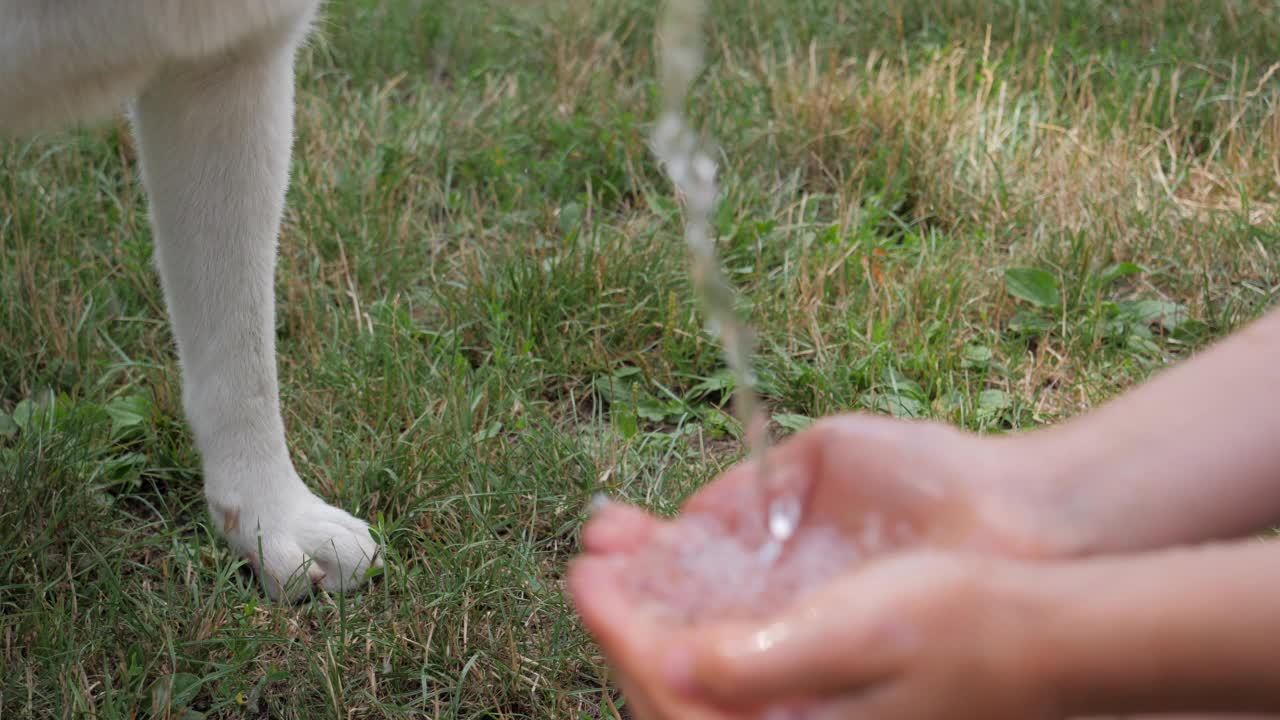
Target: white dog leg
column 215, row 140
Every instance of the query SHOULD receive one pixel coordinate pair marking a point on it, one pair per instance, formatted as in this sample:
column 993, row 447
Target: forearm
column 1192, row 455
column 1172, row 631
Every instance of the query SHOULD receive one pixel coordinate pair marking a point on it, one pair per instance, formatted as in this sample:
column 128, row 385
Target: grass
column 990, row 212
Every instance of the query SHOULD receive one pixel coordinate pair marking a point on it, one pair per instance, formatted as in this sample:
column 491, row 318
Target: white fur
column 209, row 84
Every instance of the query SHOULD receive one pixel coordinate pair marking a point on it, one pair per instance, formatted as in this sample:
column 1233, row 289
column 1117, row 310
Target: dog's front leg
column 215, row 143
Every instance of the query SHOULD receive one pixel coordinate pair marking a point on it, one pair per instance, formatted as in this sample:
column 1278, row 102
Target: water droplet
column 784, row 516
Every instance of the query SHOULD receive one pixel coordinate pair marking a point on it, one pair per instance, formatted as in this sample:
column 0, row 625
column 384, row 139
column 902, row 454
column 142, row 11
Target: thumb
column 820, row 648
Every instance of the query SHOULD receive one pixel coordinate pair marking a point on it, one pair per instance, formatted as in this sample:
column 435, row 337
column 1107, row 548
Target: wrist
column 1095, row 487
column 1171, row 631
column 1032, row 502
column 1046, row 658
column 1017, row 654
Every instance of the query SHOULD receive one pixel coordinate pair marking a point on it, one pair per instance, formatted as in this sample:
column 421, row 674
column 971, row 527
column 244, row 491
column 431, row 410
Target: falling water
column 693, row 173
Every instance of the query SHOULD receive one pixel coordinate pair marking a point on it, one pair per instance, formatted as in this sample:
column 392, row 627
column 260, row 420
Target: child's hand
column 933, row 633
column 909, row 481
column 936, row 635
column 915, row 636
column 881, row 484
column 928, row 480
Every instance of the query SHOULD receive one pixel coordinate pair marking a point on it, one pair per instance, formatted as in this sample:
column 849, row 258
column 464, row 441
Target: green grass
column 995, row 213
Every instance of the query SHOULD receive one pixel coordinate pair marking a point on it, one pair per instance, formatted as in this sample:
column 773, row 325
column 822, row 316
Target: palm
column 876, row 483
column 868, row 485
column 868, row 478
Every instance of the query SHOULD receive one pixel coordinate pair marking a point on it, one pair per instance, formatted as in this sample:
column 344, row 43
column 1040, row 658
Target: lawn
column 990, row 212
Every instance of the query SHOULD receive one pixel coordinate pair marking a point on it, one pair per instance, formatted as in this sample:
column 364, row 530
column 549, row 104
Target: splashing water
column 693, row 173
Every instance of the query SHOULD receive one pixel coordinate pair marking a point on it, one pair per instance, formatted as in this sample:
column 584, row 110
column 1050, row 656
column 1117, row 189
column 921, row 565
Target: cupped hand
column 886, row 481
column 922, row 534
column 914, row 634
column 904, row 481
column 868, row 485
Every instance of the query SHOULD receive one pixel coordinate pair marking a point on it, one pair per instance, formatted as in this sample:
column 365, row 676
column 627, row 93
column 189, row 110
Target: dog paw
column 295, row 541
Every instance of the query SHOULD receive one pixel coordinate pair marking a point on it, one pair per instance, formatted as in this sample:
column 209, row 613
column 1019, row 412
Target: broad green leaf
column 1036, row 286
column 902, row 406
column 124, row 466
column 1025, row 321
column 1120, row 270
column 950, row 400
column 1143, row 345
column 23, row 412
column 616, row 389
column 128, row 412
column 792, row 422
column 655, row 410
column 976, row 356
column 569, row 218
column 1168, row 315
column 172, row 693
column 626, row 423
column 992, row 400
column 719, row 423
column 1189, row 332
column 898, row 384
column 721, row 382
